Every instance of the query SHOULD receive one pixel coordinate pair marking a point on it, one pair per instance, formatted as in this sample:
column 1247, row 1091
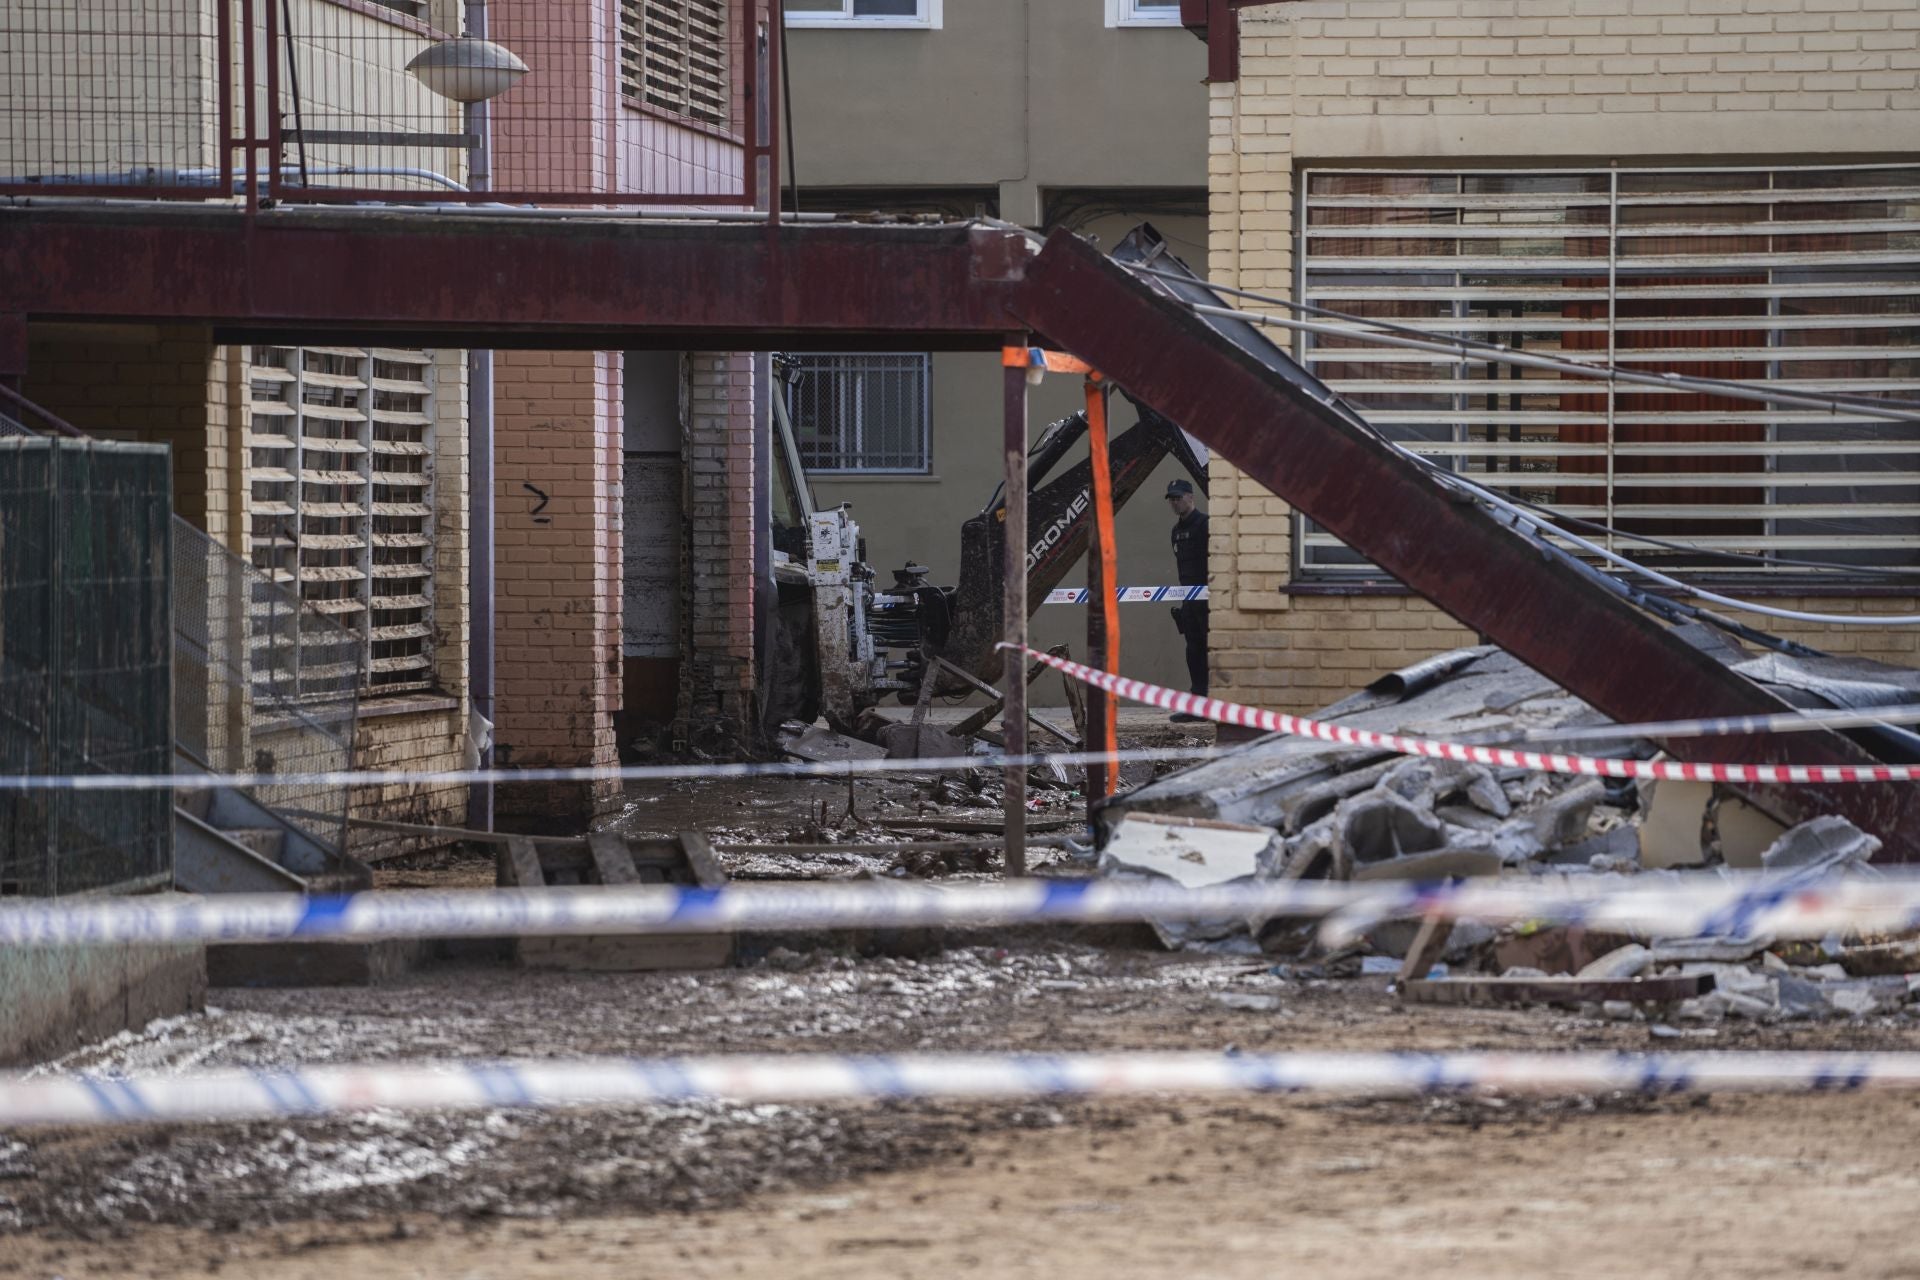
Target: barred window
column 341, row 468
column 674, row 56
column 1796, row 277
column 862, row 412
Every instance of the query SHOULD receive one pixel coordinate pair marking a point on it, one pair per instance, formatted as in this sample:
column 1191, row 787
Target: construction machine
column 841, row 645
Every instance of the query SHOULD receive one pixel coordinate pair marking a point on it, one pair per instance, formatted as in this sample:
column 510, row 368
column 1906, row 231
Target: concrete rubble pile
column 1296, row 807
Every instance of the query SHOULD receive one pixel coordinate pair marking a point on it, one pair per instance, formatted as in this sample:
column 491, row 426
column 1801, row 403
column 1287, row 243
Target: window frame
column 924, row 465
column 1126, row 13
column 631, row 73
column 931, row 19
column 278, row 475
column 1623, row 286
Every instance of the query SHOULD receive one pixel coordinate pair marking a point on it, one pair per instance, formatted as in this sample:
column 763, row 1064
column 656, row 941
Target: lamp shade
column 467, row 70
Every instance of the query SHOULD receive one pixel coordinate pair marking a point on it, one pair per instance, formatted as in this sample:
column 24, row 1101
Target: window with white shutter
column 1799, row 277
column 341, row 471
column 674, row 57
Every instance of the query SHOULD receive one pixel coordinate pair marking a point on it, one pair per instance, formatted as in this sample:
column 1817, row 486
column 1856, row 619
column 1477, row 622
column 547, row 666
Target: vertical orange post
column 1103, row 605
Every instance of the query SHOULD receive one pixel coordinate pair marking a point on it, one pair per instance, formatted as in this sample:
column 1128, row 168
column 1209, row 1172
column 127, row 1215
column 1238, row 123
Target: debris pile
column 1298, row 807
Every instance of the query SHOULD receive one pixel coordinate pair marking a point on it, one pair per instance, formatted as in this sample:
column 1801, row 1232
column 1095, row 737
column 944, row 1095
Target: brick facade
column 557, row 581
column 174, row 386
column 1428, row 82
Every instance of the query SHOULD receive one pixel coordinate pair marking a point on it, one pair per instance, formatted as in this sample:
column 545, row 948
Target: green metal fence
column 86, row 676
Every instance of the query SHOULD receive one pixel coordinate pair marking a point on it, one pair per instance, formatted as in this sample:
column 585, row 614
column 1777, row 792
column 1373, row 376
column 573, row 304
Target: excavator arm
column 1060, row 521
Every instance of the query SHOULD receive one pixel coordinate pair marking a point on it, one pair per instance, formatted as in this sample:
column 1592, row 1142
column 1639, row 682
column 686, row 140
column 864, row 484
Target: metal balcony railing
column 643, row 102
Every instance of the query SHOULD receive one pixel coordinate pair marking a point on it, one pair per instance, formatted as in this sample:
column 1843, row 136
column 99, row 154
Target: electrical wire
column 1501, row 353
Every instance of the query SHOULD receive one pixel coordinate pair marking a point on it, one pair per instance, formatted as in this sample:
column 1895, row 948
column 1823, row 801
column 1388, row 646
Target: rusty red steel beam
column 1453, row 553
column 505, row 281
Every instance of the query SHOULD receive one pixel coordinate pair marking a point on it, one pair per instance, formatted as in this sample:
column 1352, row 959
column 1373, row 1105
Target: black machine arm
column 1060, row 520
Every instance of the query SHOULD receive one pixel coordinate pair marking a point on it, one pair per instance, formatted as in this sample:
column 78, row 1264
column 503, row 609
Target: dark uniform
column 1190, row 559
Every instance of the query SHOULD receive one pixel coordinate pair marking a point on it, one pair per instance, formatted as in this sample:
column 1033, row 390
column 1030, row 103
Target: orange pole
column 1102, row 579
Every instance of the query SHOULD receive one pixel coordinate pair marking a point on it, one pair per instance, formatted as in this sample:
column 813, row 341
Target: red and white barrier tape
column 1503, row 757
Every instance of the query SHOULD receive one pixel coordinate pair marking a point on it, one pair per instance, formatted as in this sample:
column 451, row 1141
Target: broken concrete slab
column 1864, row 997
column 1382, row 824
column 1720, row 949
column 1193, row 852
column 1827, row 843
column 1629, row 961
column 1562, row 820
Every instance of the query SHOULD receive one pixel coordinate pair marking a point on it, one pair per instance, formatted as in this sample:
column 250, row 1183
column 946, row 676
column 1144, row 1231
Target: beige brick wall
column 164, row 384
column 1432, row 82
column 557, row 585
column 172, row 385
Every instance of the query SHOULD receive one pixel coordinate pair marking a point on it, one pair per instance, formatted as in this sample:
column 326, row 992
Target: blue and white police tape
column 1129, row 595
column 1694, row 906
column 457, row 1085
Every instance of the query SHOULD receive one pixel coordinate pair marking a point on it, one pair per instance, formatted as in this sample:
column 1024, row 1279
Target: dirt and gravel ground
column 1734, row 1186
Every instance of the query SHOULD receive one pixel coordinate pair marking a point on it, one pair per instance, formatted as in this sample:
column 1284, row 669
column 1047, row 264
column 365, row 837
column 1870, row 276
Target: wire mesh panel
column 261, row 684
column 121, row 97
column 622, row 102
column 85, row 673
column 1804, row 278
column 861, row 412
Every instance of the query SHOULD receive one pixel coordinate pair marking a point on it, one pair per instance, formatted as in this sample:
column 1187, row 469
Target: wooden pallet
column 607, row 858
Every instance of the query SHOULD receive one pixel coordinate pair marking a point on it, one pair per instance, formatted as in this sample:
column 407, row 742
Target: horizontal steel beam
column 1246, row 400
column 510, row 280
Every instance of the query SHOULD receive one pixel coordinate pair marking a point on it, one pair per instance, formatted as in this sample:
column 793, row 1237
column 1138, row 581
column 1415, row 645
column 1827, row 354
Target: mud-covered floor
column 1262, row 1186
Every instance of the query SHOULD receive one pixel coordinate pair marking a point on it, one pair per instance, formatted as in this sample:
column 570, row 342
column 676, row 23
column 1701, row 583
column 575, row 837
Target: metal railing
column 642, row 102
column 245, row 702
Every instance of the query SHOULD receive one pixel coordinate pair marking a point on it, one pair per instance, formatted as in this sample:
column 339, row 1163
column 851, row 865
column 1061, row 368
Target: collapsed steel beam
column 1246, row 399
column 490, row 279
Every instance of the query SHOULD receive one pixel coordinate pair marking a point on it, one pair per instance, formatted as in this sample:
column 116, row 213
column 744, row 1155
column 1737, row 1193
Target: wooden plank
column 1428, row 946
column 1486, row 991
column 706, row 869
column 524, row 863
column 611, row 859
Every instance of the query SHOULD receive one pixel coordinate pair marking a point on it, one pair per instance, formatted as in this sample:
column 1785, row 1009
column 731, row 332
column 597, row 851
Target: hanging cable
column 1500, row 353
column 1533, row 522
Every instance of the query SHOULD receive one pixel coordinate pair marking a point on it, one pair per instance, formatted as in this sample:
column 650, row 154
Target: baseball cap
column 1177, row 487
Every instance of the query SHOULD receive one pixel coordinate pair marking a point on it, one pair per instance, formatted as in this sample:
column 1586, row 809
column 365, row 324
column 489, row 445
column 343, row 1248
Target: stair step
column 264, row 841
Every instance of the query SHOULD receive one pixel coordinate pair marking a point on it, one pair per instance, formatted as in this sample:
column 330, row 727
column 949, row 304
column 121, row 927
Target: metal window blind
column 861, row 412
column 1804, row 277
column 340, row 443
column 673, row 56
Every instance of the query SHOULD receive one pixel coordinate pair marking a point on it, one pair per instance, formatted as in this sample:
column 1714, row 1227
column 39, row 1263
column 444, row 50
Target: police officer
column 1190, row 559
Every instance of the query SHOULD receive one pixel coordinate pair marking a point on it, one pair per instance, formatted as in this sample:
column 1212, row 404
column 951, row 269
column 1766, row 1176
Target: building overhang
column 475, row 279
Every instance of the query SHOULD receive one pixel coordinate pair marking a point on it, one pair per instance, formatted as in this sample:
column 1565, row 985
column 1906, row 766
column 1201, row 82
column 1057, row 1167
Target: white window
column 674, row 57
column 863, row 13
column 1804, row 278
column 1143, row 13
column 340, row 462
column 863, row 412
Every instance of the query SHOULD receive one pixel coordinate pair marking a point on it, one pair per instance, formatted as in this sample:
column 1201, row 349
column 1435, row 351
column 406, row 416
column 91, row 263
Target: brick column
column 557, row 580
column 717, row 680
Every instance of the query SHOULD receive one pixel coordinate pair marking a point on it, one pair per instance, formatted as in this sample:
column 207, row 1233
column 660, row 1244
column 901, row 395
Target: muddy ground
column 1735, row 1186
